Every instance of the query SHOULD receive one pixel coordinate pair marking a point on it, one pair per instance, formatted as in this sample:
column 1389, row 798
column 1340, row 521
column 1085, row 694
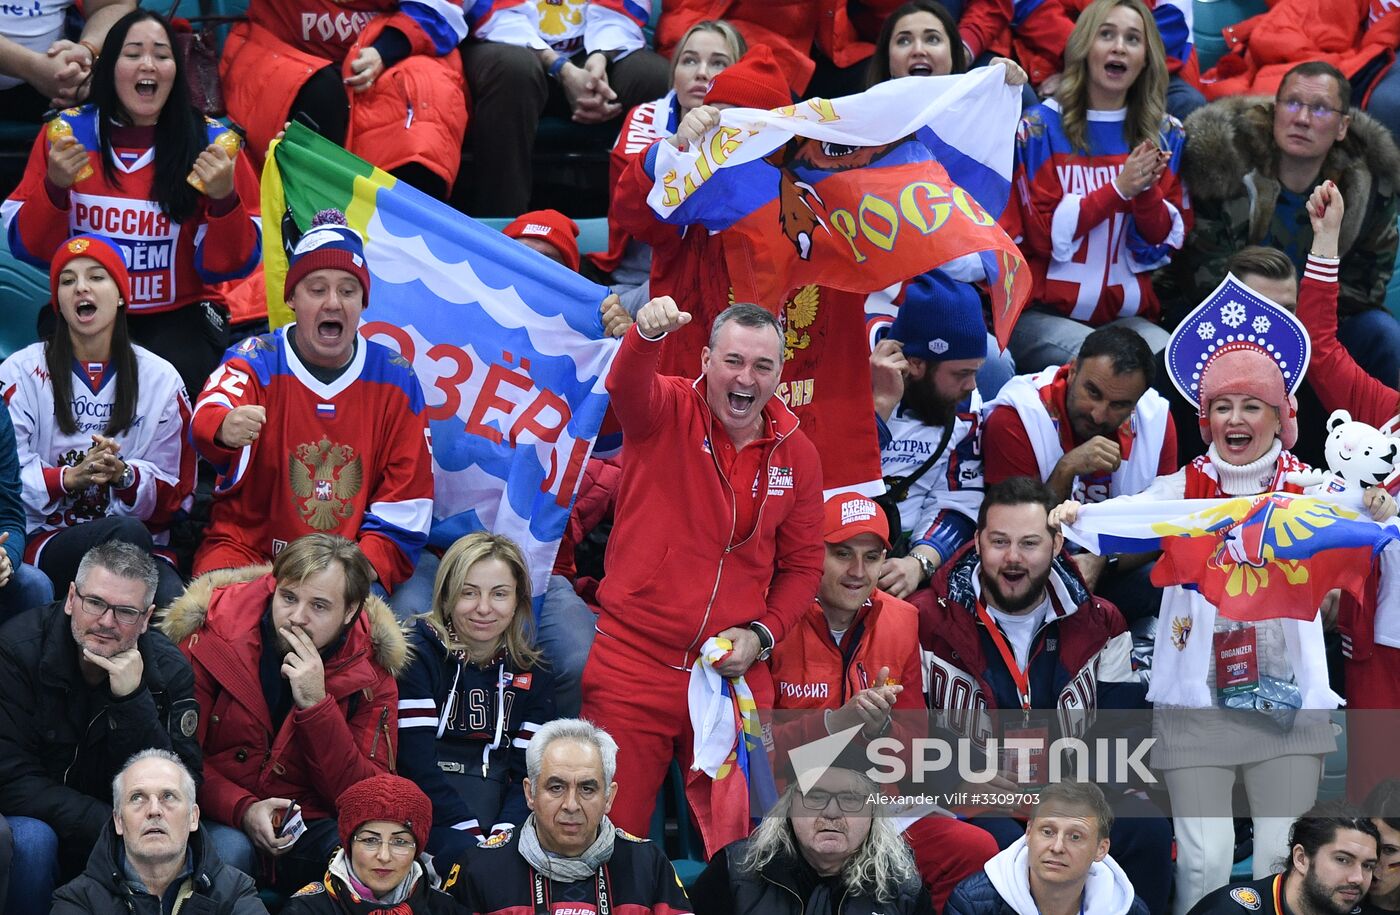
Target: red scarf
column 1055, row 396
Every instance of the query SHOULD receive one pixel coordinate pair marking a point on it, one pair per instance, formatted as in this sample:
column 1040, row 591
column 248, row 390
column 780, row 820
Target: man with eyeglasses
column 85, row 683
column 823, row 849
column 1252, row 163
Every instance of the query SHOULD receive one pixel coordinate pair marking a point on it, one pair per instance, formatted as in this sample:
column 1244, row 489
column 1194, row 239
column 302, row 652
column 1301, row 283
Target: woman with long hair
column 140, row 165
column 474, row 693
column 920, row 38
column 1244, row 390
column 707, row 48
column 101, row 424
column 1100, row 204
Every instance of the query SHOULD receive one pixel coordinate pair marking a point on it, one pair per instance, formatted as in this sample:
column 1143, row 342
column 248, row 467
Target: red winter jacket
column 810, row 671
column 676, row 574
column 416, row 111
column 1265, row 47
column 317, row 753
column 842, row 30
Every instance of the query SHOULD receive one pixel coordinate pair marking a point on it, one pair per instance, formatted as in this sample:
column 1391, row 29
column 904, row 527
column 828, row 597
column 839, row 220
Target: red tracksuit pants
column 643, row 705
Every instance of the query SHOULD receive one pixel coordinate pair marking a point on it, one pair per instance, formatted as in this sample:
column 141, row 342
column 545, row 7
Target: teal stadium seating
column 24, row 291
column 1211, row 17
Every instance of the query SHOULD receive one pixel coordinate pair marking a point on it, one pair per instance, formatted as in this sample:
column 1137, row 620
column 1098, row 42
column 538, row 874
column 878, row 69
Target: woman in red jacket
column 707, row 48
column 141, row 166
column 380, row 77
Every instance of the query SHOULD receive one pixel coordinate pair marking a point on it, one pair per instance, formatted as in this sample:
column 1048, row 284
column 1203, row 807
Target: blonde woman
column 474, row 693
column 707, row 48
column 1100, row 203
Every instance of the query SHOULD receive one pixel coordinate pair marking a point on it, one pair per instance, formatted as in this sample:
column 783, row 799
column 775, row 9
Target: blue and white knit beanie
column 328, row 244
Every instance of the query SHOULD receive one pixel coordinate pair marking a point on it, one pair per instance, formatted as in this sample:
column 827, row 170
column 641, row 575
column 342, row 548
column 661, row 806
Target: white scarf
column 1148, row 422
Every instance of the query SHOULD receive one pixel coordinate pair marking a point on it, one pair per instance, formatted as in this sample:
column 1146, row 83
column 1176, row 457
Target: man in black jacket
column 83, row 687
column 151, row 857
column 821, row 850
column 1332, row 856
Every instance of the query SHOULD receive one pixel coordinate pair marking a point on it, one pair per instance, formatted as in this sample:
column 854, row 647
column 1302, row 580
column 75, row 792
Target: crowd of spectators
column 234, row 677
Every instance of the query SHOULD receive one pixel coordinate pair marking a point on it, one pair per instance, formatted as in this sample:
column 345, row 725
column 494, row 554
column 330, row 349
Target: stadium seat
column 24, row 291
column 685, row 848
column 1211, row 17
column 1392, row 291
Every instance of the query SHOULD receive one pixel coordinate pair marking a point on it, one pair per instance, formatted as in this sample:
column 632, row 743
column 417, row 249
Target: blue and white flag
column 508, row 345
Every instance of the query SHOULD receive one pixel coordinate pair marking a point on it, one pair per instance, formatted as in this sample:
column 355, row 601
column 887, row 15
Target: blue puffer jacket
column 1002, row 887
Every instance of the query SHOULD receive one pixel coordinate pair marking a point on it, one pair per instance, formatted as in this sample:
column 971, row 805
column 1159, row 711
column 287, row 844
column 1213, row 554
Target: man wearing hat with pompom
column 314, row 429
column 924, row 376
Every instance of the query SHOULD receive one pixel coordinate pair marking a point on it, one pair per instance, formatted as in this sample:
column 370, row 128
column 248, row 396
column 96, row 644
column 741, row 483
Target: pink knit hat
column 1248, row 371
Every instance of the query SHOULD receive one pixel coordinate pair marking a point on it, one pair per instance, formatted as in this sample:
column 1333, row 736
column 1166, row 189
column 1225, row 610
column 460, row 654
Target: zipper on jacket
column 801, row 906
column 729, row 545
column 78, row 748
column 388, row 742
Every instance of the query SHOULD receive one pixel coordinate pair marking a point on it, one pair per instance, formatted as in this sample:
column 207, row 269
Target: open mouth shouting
column 740, row 403
column 146, row 88
column 1237, row 443
column 330, row 332
column 1115, row 69
column 922, row 68
column 85, row 309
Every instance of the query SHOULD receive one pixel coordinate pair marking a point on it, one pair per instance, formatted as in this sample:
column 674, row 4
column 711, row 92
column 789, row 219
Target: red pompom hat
column 385, row 797
column 755, row 81
column 99, row 249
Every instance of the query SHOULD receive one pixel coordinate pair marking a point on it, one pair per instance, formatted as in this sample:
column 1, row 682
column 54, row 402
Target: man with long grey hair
column 819, row 851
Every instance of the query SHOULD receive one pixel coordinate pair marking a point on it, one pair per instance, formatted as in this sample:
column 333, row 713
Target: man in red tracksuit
column 717, row 533
column 854, row 657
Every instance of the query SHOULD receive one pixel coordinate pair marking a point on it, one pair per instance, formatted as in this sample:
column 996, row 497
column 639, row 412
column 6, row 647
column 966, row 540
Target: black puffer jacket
column 63, row 741
column 785, row 886
column 215, row 889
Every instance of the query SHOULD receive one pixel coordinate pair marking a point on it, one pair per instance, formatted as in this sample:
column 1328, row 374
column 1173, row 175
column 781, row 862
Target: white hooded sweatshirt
column 1108, row 891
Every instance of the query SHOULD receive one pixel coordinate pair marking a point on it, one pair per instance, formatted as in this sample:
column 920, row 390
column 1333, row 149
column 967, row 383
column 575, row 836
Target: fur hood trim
column 187, row 614
column 1229, row 138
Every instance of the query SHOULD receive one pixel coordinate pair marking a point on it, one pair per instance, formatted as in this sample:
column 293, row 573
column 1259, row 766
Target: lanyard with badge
column 1034, row 758
column 541, row 899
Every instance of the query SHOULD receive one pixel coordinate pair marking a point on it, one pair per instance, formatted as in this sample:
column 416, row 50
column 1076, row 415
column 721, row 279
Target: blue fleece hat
column 940, row 320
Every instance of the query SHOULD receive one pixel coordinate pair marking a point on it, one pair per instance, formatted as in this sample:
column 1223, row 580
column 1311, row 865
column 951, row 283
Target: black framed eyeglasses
column 97, row 608
column 1319, row 111
column 818, row 799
